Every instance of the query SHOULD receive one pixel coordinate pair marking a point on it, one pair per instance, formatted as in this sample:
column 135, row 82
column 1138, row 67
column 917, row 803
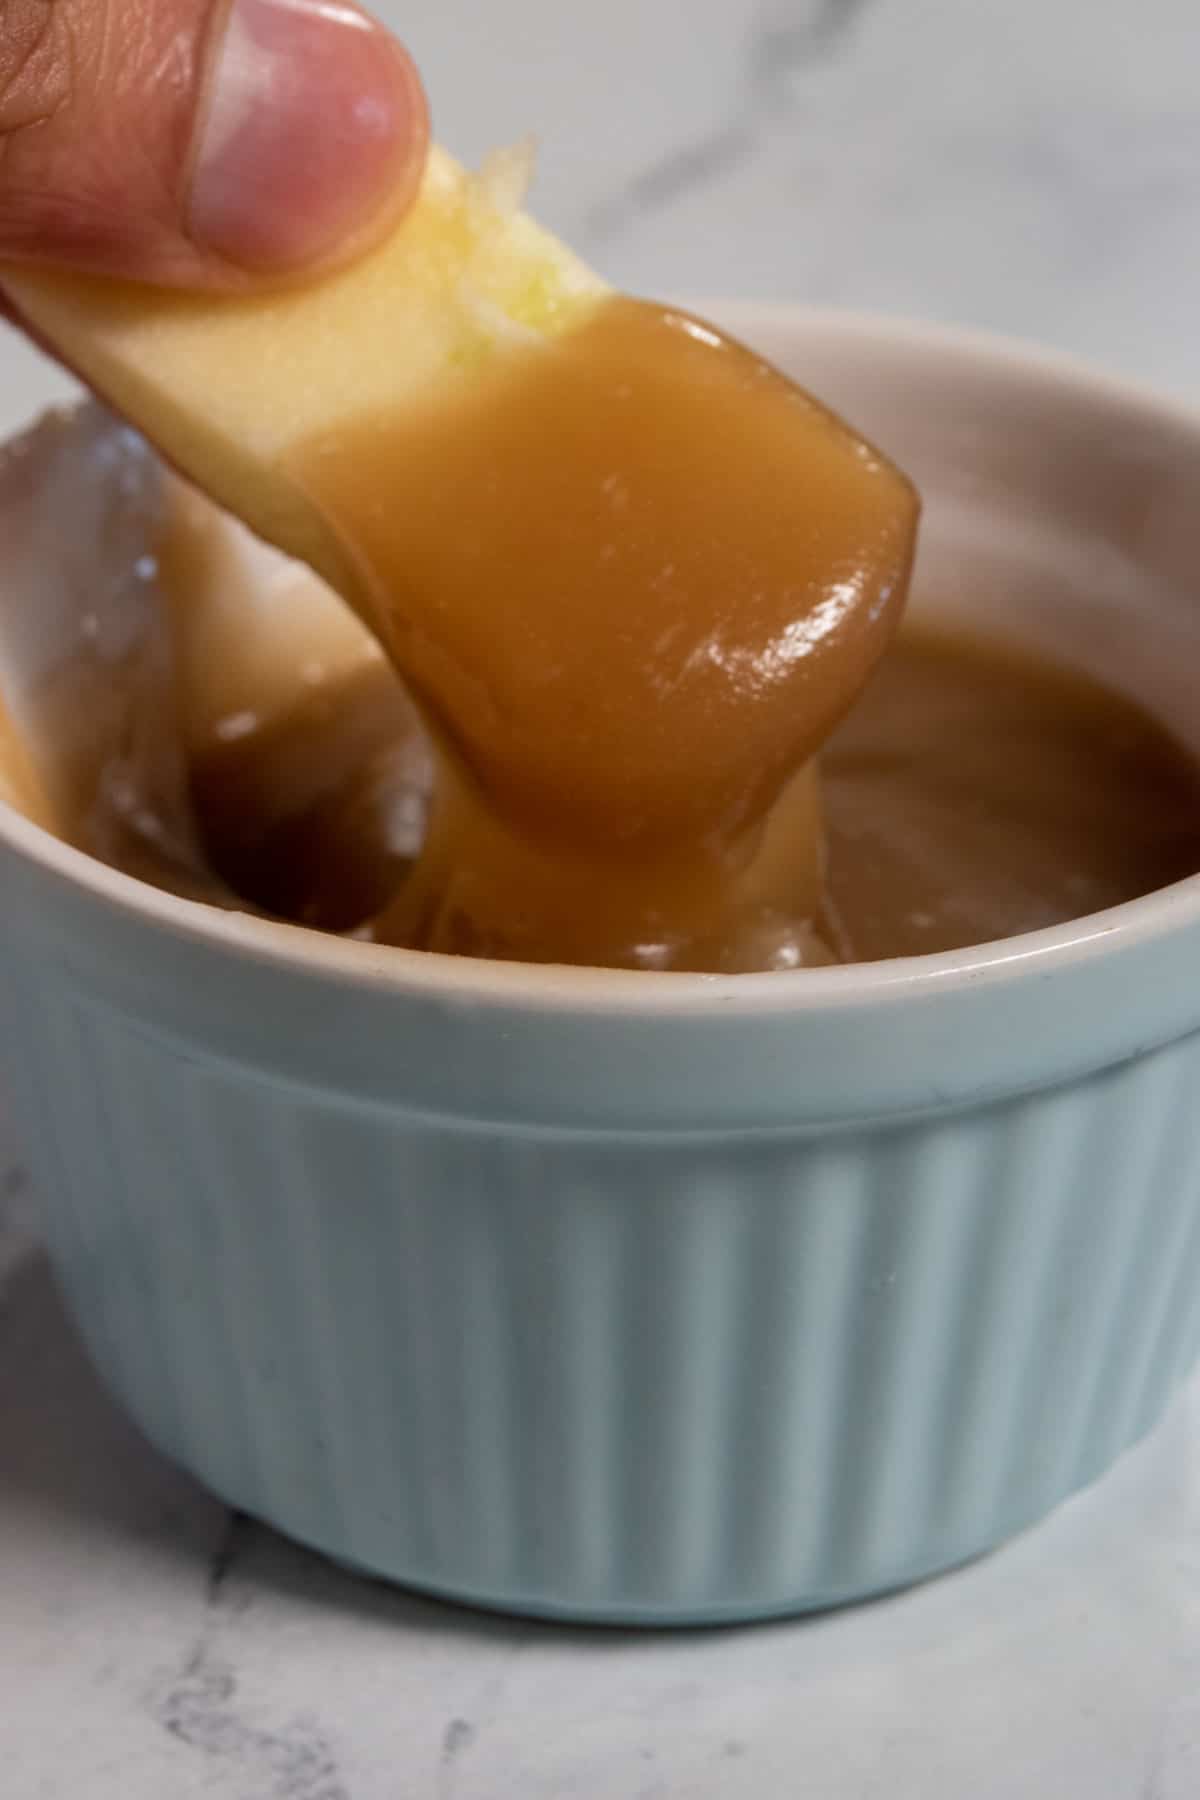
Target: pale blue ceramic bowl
column 654, row 1298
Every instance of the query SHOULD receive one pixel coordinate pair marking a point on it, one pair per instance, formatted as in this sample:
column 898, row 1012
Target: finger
column 205, row 143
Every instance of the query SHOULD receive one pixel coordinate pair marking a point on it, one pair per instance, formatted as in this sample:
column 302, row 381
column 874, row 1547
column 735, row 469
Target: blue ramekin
column 663, row 1298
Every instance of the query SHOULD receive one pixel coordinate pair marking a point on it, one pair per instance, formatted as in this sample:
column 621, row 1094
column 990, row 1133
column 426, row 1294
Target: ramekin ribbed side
column 660, row 1378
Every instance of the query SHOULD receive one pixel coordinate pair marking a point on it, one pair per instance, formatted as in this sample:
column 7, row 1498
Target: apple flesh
column 228, row 388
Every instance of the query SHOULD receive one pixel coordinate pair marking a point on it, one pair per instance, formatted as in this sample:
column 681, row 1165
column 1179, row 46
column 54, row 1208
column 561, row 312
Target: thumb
column 201, row 143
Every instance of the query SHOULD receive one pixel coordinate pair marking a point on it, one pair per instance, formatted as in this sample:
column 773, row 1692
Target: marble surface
column 1028, row 167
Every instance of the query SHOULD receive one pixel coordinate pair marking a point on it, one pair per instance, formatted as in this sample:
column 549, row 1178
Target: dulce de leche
column 632, row 580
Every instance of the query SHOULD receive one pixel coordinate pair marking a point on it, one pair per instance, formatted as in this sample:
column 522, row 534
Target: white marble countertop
column 1031, row 166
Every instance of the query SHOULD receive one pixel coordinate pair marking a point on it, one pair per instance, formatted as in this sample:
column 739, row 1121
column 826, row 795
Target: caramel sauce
column 20, row 785
column 318, row 815
column 973, row 793
column 632, row 579
column 637, row 585
column 977, row 791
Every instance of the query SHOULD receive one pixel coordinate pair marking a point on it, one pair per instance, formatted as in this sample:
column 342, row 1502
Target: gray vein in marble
column 668, row 179
column 458, row 1737
column 200, row 1706
column 786, row 38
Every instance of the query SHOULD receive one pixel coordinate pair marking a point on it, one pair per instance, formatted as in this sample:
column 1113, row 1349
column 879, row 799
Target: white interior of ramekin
column 1060, row 507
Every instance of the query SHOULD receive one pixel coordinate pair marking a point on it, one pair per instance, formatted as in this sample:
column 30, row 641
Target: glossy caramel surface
column 974, row 792
column 632, row 578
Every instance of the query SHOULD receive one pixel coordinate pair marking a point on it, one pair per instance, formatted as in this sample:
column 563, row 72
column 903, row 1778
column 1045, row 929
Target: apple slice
column 227, row 388
column 630, row 574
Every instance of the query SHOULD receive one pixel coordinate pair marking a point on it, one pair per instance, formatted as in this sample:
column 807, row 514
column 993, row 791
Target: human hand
column 206, row 144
